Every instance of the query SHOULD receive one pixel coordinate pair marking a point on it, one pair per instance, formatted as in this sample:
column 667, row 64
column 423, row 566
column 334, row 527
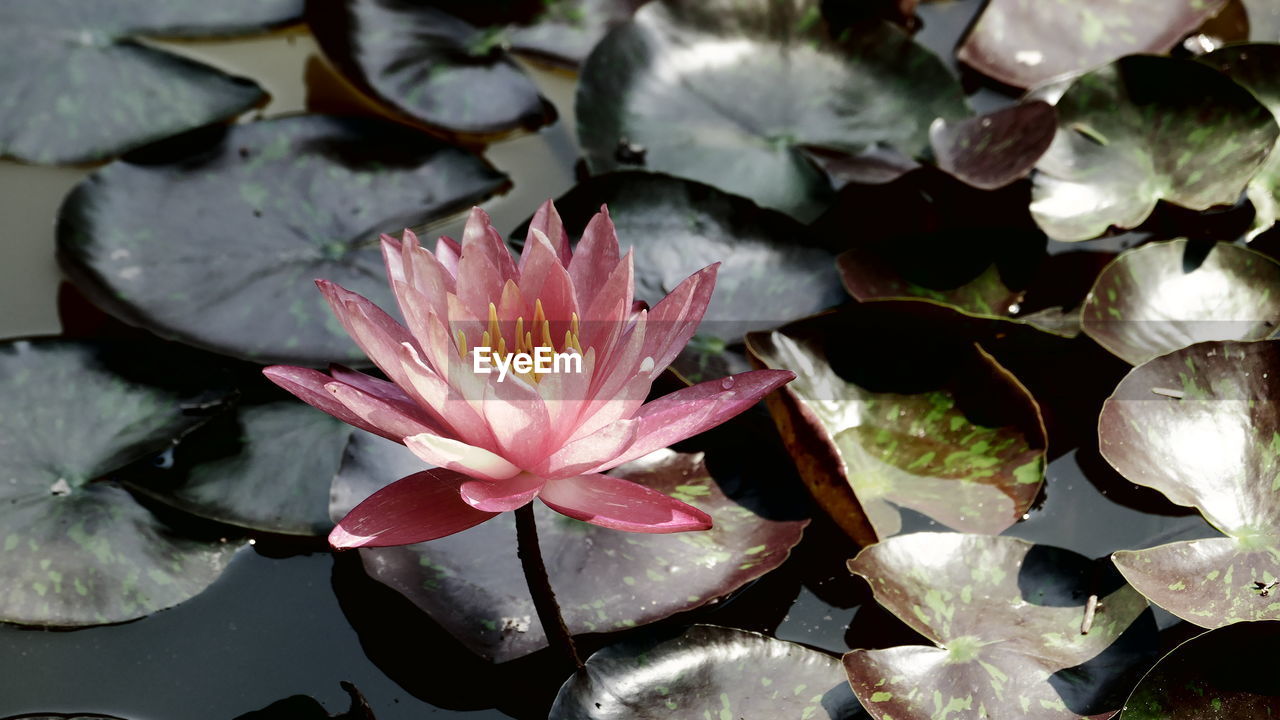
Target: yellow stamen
column 494, row 331
column 462, row 344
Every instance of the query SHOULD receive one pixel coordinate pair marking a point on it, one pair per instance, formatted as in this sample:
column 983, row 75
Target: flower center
column 526, row 338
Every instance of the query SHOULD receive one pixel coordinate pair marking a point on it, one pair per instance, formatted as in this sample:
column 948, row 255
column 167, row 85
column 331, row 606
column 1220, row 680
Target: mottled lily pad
column 252, row 217
column 732, row 93
column 773, row 270
column 430, row 65
column 1145, row 129
column 1201, row 426
column 79, row 549
column 1163, row 296
column 1253, row 66
column 995, row 149
column 99, row 91
column 267, row 466
column 564, row 31
column 605, row 580
column 1013, row 632
column 953, row 436
column 1223, row 673
column 704, row 672
column 1026, row 42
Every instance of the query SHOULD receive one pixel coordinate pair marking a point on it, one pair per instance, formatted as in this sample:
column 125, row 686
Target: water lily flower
column 497, row 440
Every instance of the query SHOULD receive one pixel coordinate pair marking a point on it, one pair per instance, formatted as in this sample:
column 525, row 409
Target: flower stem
column 535, row 574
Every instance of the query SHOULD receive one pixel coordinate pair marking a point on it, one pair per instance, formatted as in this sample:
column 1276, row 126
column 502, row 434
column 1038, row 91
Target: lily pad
column 1023, row 43
column 773, row 270
column 1253, row 66
column 707, row 671
column 605, row 580
column 732, row 94
column 951, row 435
column 100, row 92
column 993, row 150
column 267, row 467
column 253, row 216
column 1164, row 296
column 1219, row 674
column 1011, row 626
column 1201, row 426
column 1145, row 129
column 564, row 31
column 79, row 549
column 429, row 65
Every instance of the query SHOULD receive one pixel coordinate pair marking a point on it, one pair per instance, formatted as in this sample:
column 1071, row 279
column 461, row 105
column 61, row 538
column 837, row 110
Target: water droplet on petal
column 646, row 365
column 727, row 383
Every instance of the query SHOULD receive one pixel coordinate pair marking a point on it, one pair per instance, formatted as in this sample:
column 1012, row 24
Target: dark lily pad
column 252, row 217
column 731, row 93
column 1145, row 129
column 1163, row 296
column 953, row 436
column 1024, row 43
column 100, row 92
column 707, row 672
column 773, row 270
column 267, row 466
column 996, row 149
column 1220, row 674
column 79, row 549
column 1009, row 619
column 1253, row 66
column 605, row 580
column 1201, row 426
column 303, row 707
column 564, row 31
column 429, row 65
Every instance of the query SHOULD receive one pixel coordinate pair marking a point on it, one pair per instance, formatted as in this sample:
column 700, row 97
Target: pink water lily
column 498, row 441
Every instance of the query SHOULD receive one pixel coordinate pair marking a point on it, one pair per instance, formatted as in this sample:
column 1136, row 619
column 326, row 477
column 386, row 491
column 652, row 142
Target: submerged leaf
column 1201, row 426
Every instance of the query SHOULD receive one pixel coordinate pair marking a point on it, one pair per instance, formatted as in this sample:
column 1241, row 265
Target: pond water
column 279, row 622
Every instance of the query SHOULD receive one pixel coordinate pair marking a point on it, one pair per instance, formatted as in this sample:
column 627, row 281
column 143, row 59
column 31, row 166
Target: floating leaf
column 996, row 149
column 428, row 64
column 1164, row 296
column 959, row 440
column 253, row 217
column 1145, row 129
column 605, row 580
column 1253, row 66
column 1012, row 626
column 565, row 31
column 707, row 672
column 100, row 92
column 1220, row 674
column 731, row 93
column 267, row 466
column 773, row 270
column 78, row 548
column 1023, row 43
column 1200, row 425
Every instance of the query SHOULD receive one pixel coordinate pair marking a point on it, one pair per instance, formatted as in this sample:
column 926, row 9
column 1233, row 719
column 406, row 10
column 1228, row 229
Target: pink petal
column 545, row 279
column 374, row 386
column 374, row 331
column 423, row 506
column 501, row 496
column 518, row 419
column 674, row 320
column 597, row 254
column 621, row 505
column 685, row 413
column 607, row 315
column 308, row 386
column 391, row 420
column 456, row 455
column 479, row 236
column 591, row 452
column 547, row 221
column 448, row 251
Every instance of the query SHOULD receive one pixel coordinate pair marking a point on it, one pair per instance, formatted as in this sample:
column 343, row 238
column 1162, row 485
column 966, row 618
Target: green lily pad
column 706, row 672
column 267, row 466
column 1024, row 43
column 1008, row 619
column 253, row 216
column 953, row 436
column 995, row 149
column 1164, row 296
column 1220, row 674
column 732, row 94
column 773, row 270
column 100, row 92
column 429, row 65
column 1145, row 129
column 1201, row 426
column 79, row 549
column 605, row 580
column 1253, row 66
